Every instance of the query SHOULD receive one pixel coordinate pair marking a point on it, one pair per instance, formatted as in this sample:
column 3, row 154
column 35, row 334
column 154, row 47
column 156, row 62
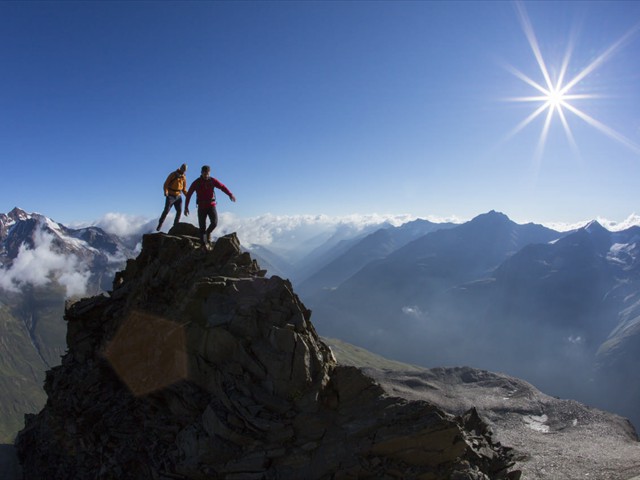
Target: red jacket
column 205, row 196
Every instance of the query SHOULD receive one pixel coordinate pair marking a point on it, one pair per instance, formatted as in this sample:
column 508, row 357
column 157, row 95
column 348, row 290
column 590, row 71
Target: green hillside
column 21, row 375
column 348, row 354
column 32, row 339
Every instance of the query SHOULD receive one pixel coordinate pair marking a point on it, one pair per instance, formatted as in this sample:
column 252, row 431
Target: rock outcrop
column 198, row 366
column 552, row 438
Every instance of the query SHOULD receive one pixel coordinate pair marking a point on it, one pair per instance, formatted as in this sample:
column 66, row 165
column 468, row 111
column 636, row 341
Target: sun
column 555, row 97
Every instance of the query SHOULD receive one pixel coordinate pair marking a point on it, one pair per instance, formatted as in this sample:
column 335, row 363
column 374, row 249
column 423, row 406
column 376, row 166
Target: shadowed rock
column 197, row 366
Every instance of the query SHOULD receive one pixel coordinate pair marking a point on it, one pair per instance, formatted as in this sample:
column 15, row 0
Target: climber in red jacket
column 206, row 201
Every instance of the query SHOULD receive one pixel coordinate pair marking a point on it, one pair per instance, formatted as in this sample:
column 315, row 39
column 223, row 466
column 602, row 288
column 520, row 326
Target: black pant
column 203, row 213
column 170, row 201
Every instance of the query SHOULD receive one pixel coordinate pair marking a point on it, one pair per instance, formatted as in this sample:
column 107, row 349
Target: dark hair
column 206, row 168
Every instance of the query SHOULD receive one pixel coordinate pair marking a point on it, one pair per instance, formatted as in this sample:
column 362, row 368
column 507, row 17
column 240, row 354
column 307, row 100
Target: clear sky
column 329, row 108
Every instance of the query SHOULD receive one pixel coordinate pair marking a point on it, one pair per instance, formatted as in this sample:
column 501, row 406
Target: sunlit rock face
column 198, row 366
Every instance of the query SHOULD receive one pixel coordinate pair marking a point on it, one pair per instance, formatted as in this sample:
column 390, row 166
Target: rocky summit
column 199, row 366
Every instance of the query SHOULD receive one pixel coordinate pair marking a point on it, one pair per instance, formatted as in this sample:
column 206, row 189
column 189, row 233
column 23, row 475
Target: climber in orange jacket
column 174, row 186
column 206, row 201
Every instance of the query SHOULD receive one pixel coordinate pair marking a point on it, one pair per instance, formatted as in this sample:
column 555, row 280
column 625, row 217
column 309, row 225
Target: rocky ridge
column 198, row 366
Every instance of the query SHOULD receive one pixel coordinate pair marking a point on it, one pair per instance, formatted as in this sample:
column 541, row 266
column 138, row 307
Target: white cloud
column 611, row 225
column 632, row 220
column 290, row 230
column 283, row 233
column 40, row 265
column 297, row 235
column 564, row 227
column 124, row 225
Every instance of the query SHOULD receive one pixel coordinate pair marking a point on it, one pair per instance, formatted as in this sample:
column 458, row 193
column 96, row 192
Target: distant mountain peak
column 18, row 214
column 22, row 232
column 595, row 235
column 493, row 214
column 594, row 226
column 492, row 217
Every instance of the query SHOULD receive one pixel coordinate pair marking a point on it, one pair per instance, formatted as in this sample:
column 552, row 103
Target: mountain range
column 196, row 365
column 559, row 309
column 356, row 253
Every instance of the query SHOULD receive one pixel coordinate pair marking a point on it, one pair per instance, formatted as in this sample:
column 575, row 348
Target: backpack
column 173, row 185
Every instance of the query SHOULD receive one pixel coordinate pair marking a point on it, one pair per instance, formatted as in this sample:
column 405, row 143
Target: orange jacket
column 175, row 183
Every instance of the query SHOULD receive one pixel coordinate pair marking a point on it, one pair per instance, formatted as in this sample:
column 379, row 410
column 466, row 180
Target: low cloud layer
column 281, row 231
column 40, row 265
column 123, row 225
column 611, row 225
column 296, row 230
column 297, row 235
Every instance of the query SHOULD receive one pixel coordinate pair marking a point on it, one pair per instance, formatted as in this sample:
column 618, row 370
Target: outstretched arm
column 218, row 184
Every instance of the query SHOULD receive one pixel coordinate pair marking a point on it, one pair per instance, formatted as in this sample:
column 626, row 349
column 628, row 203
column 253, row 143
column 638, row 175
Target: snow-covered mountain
column 35, row 250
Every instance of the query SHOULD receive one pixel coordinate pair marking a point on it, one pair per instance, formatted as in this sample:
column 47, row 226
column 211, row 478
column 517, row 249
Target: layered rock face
column 198, row 366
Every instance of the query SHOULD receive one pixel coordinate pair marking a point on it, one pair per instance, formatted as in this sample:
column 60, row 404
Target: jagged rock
column 184, row 229
column 196, row 366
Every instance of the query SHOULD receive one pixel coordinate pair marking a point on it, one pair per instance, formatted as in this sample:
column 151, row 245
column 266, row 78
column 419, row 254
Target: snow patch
column 58, row 230
column 618, row 248
column 537, row 423
column 622, row 253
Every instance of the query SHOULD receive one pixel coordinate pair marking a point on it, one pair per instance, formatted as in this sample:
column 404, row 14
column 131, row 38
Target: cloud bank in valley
column 40, row 265
column 289, row 230
column 267, row 229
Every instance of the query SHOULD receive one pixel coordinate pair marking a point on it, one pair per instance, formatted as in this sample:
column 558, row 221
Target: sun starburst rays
column 556, row 97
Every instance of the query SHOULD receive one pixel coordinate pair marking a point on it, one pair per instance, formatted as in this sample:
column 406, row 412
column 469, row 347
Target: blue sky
column 331, row 108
